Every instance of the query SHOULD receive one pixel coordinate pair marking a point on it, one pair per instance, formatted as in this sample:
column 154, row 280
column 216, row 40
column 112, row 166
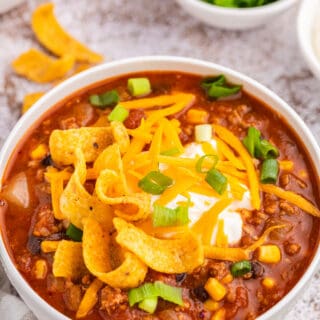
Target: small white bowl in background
column 308, row 28
column 235, row 18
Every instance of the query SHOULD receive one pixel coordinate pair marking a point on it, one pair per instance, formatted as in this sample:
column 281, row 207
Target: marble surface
column 121, row 28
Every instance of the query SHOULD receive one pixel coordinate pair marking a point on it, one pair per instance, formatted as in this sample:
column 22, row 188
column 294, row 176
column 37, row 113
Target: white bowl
column 308, row 28
column 86, row 78
column 234, row 18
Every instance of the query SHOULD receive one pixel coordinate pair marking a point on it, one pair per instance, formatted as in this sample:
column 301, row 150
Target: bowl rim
column 270, row 8
column 39, row 109
column 305, row 23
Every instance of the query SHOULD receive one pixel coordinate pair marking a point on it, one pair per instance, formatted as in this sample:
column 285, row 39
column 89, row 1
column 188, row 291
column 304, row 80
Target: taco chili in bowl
column 160, row 188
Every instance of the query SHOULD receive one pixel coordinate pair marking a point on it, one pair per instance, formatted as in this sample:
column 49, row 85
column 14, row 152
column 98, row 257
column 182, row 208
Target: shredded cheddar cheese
column 228, row 154
column 226, row 254
column 222, row 238
column 291, row 197
column 184, row 179
column 155, row 147
column 234, row 142
column 205, row 225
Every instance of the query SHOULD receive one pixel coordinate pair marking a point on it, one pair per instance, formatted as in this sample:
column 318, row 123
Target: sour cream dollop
column 201, row 203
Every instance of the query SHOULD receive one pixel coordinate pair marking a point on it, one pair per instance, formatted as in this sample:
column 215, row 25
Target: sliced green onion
column 201, row 160
column 139, row 86
column 239, row 3
column 241, row 268
column 141, row 293
column 252, row 140
column 104, row 100
column 170, row 152
column 217, row 180
column 203, row 132
column 216, row 87
column 169, row 293
column 155, row 182
column 156, row 289
column 220, row 91
column 218, row 81
column 74, row 233
column 258, row 148
column 149, row 305
column 265, row 150
column 119, row 113
column 223, row 3
column 269, row 171
column 165, row 217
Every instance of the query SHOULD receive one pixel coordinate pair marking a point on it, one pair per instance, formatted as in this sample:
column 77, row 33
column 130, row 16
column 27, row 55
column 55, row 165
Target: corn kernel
column 227, row 279
column 49, row 246
column 303, row 174
column 219, row 315
column 286, row 165
column 197, row 116
column 268, row 283
column 40, row 269
column 216, row 290
column 269, row 254
column 211, row 305
column 39, row 152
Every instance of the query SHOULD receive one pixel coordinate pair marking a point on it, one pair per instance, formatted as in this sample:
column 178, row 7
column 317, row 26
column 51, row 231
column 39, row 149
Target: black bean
column 47, row 161
column 257, row 270
column 200, row 293
column 34, row 244
column 180, row 277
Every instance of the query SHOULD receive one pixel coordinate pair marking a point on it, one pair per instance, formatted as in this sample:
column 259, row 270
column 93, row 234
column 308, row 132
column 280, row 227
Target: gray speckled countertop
column 120, row 28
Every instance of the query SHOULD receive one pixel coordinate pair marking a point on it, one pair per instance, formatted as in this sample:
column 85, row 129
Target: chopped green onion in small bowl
column 239, row 3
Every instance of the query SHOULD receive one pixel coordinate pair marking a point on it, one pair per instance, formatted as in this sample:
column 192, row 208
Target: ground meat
column 288, row 179
column 292, row 249
column 84, row 114
column 242, row 297
column 43, row 192
column 246, row 240
column 239, row 300
column 24, row 262
column 271, row 203
column 288, row 208
column 134, row 119
column 112, row 299
column 234, row 118
column 257, row 218
column 45, row 223
column 68, row 123
column 72, row 297
column 218, row 269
